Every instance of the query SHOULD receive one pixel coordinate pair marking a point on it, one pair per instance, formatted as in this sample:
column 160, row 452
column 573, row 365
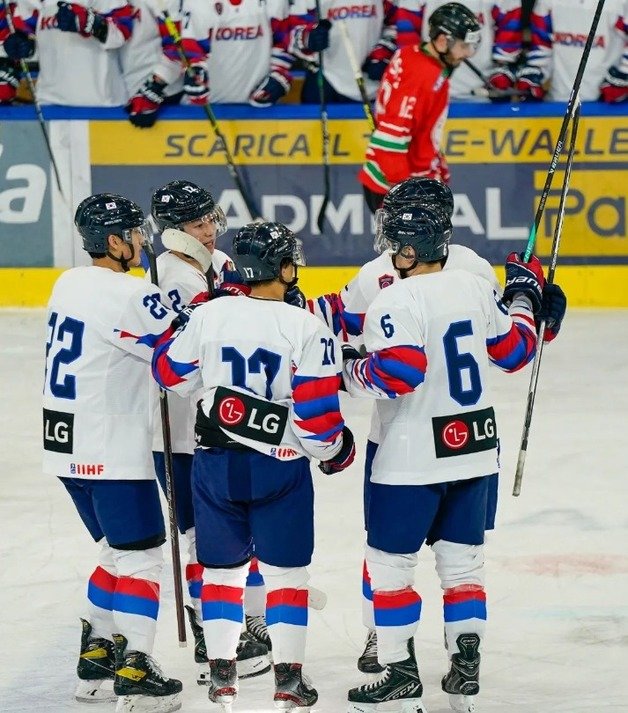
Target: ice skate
column 367, row 663
column 140, row 684
column 256, row 626
column 293, row 690
column 96, row 665
column 223, row 683
column 251, row 656
column 200, row 650
column 400, row 685
column 462, row 681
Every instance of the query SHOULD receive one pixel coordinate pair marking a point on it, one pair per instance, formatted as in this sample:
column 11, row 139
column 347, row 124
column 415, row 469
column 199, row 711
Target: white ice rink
column 557, row 565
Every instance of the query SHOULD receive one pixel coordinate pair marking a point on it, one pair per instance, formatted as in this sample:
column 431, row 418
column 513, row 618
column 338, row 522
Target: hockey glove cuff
column 196, row 85
column 142, row 108
column 270, row 90
column 343, row 458
column 614, row 88
column 72, row 17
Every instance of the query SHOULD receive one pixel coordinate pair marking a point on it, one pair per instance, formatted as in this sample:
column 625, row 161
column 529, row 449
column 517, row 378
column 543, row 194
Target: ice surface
column 557, row 565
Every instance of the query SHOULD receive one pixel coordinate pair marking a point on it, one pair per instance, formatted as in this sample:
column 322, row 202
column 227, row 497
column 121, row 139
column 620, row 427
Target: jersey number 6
column 463, row 372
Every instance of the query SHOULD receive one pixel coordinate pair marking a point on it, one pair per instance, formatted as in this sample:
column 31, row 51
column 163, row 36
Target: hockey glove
column 500, row 80
column 553, row 308
column 295, row 297
column 232, row 289
column 526, row 278
column 143, row 106
column 18, row 45
column 196, row 85
column 530, row 84
column 316, row 39
column 343, row 458
column 614, row 88
column 349, row 352
column 378, row 58
column 72, row 17
column 9, row 80
column 270, row 90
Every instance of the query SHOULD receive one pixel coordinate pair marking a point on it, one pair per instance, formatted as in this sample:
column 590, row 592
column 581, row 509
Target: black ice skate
column 223, row 683
column 96, row 664
column 292, row 689
column 140, row 683
column 400, row 682
column 251, row 656
column 256, row 626
column 462, row 681
column 200, row 650
column 367, row 663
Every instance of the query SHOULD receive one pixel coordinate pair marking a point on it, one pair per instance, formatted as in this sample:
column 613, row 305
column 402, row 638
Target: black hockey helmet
column 105, row 214
column 426, row 229
column 260, row 250
column 419, row 190
column 456, row 21
column 180, row 202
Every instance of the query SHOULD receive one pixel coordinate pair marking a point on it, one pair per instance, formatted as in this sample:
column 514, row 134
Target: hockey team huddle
column 253, row 372
column 143, row 54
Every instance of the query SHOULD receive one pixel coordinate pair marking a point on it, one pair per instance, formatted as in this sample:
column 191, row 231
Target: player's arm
column 614, row 88
column 387, row 151
column 396, row 363
column 409, row 22
column 538, row 65
column 110, row 22
column 343, row 312
column 379, row 57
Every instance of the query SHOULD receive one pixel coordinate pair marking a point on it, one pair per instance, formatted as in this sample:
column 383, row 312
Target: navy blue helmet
column 105, row 214
column 261, row 249
column 180, row 202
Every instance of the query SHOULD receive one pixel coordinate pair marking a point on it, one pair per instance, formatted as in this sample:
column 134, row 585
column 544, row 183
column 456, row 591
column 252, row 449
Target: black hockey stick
column 571, row 105
column 233, row 171
column 320, row 221
column 357, row 73
column 36, row 104
column 170, row 495
column 523, row 448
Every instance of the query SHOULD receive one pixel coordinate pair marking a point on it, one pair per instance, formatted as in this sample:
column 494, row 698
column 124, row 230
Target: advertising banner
column 498, row 167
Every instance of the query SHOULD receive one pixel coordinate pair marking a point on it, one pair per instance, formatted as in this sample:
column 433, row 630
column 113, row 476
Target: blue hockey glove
column 270, row 90
column 316, row 39
column 295, row 297
column 524, row 277
column 343, row 458
column 72, row 17
column 553, row 308
column 18, row 45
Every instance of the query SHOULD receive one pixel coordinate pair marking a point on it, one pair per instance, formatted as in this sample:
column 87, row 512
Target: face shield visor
column 381, row 243
column 215, row 216
column 145, row 229
column 298, row 254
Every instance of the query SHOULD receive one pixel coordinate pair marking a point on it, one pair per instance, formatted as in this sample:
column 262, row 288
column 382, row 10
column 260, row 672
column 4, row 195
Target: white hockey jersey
column 102, row 327
column 364, row 25
column 265, row 349
column 76, row 70
column 143, row 56
column 430, row 339
column 413, row 16
column 560, row 29
column 238, row 37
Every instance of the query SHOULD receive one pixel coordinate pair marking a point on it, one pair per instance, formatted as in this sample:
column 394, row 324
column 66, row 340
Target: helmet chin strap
column 403, row 271
column 289, row 284
column 124, row 262
column 443, row 56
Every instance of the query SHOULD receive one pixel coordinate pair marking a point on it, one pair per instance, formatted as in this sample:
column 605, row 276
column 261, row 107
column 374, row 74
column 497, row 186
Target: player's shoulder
column 380, row 271
column 222, row 261
column 462, row 257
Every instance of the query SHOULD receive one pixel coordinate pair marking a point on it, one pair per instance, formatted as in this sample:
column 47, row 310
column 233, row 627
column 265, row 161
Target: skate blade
column 410, row 705
column 91, row 692
column 256, row 666
column 461, row 704
column 288, row 705
column 148, row 704
column 225, row 701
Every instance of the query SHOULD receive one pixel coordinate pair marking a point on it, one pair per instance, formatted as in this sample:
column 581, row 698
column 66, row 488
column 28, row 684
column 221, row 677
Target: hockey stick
column 357, row 73
column 31, row 88
column 170, row 495
column 571, row 105
column 487, row 90
column 233, row 171
column 516, row 491
column 320, row 220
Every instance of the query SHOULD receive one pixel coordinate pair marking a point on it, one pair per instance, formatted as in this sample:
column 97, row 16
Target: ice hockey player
column 102, row 327
column 190, row 270
column 430, row 339
column 412, row 104
column 344, row 313
column 83, row 38
column 270, row 384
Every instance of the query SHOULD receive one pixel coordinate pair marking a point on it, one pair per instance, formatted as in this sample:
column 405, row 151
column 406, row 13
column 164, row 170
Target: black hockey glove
column 553, row 308
column 317, row 38
column 524, row 277
column 142, row 108
column 295, row 297
column 349, row 352
column 72, row 17
column 18, row 45
column 343, row 458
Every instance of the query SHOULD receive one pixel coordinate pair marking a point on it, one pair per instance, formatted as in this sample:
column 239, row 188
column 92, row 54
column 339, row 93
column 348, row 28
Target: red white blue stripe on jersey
column 316, row 406
column 394, row 371
column 254, row 578
column 397, row 608
column 136, row 596
column 150, row 340
column 409, row 23
column 513, row 350
column 462, row 603
column 331, row 309
column 507, row 42
column 167, row 372
column 287, row 606
column 367, row 591
column 218, row 601
column 100, row 589
column 194, row 578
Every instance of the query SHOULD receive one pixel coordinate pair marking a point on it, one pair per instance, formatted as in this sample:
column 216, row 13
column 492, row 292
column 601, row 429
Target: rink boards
column 499, row 156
